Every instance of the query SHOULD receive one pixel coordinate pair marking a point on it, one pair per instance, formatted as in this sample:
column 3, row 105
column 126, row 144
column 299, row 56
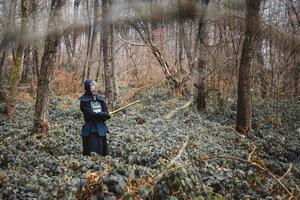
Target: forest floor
column 192, row 155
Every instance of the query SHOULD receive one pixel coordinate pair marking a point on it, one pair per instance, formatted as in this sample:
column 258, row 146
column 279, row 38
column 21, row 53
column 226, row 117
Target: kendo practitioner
column 95, row 114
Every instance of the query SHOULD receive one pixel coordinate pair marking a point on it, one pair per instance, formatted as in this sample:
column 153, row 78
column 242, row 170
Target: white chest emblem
column 96, row 106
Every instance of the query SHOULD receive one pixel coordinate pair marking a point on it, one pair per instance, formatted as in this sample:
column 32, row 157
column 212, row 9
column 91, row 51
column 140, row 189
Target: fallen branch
column 249, row 158
column 287, row 171
column 170, row 170
column 179, row 153
column 255, row 165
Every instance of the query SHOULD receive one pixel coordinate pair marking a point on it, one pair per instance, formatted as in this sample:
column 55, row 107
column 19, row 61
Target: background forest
column 218, row 81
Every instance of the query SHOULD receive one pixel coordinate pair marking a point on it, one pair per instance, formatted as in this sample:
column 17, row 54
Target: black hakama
column 94, row 143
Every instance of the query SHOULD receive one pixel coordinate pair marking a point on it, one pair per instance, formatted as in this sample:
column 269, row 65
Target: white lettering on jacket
column 96, row 106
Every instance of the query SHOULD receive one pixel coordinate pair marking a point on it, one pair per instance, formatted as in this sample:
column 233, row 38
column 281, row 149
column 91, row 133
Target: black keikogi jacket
column 95, row 113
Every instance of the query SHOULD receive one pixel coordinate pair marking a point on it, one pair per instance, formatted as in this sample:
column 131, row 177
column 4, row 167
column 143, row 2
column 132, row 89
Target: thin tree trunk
column 70, row 56
column 262, row 71
column 35, row 53
column 9, row 10
column 18, row 64
column 93, row 37
column 98, row 75
column 41, row 115
column 244, row 104
column 89, row 33
column 75, row 33
column 196, row 62
column 180, row 54
column 26, row 66
column 108, row 71
column 2, row 64
column 112, row 59
column 200, row 85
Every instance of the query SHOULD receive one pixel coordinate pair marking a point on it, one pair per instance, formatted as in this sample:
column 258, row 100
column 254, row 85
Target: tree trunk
column 35, row 53
column 200, row 87
column 196, row 62
column 93, row 37
column 108, row 71
column 2, row 64
column 244, row 104
column 70, row 56
column 112, row 58
column 26, row 66
column 41, row 115
column 75, row 33
column 262, row 72
column 18, row 64
column 9, row 10
column 98, row 75
column 88, row 33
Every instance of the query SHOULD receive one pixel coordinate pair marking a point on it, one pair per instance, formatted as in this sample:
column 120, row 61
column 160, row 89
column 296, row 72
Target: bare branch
column 130, row 43
column 249, row 158
column 286, row 173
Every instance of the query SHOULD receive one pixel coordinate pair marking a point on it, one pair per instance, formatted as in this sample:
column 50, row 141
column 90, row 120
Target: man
column 95, row 114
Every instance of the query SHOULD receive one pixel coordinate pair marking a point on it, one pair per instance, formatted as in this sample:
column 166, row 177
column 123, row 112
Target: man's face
column 94, row 88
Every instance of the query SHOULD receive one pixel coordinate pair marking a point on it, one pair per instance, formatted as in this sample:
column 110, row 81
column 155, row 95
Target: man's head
column 91, row 87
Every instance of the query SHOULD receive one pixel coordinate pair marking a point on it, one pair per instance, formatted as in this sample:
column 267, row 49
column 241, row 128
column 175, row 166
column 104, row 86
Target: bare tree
column 41, row 115
column 106, row 42
column 244, row 104
column 18, row 63
column 8, row 13
column 196, row 61
column 35, row 53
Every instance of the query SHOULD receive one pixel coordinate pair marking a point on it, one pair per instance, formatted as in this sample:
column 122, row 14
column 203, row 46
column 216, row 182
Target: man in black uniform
column 95, row 114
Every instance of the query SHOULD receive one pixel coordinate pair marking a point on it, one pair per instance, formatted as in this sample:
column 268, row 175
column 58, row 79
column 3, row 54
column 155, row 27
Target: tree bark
column 9, row 10
column 70, row 56
column 196, row 62
column 93, row 37
column 26, row 66
column 2, row 64
column 35, row 53
column 88, row 33
column 244, row 104
column 108, row 70
column 75, row 33
column 18, row 64
column 262, row 72
column 41, row 115
column 112, row 58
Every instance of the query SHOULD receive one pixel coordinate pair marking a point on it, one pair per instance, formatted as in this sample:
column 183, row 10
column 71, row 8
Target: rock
column 141, row 145
column 116, row 184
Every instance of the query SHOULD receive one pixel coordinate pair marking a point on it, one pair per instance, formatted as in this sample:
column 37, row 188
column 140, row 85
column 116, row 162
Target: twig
column 287, row 171
column 170, row 170
column 179, row 153
column 249, row 157
column 253, row 164
column 130, row 43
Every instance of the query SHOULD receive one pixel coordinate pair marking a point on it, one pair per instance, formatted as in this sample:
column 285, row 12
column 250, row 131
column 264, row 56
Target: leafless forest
column 235, row 60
